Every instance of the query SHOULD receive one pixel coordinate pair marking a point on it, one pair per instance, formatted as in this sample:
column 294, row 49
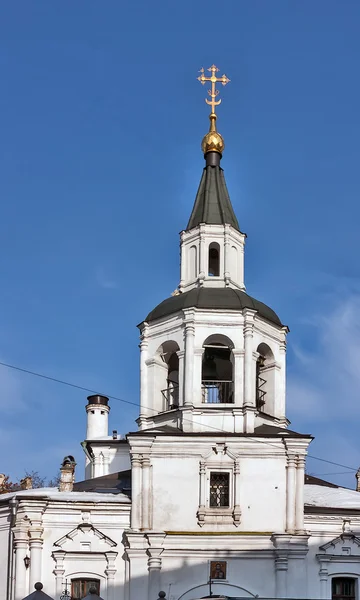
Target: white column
column 290, row 493
column 238, row 377
column 189, row 362
column 299, row 509
column 227, row 274
column 281, row 568
column 202, row 493
column 21, row 549
column 97, row 466
column 280, row 384
column 183, row 264
column 249, row 375
column 203, row 267
column 241, row 267
column 156, row 541
column 197, row 372
column 110, row 572
column 136, row 491
column 127, row 578
column 36, row 545
column 144, row 344
column 237, row 511
column 324, row 576
column 181, row 355
column 145, row 492
column 154, row 565
column 59, row 572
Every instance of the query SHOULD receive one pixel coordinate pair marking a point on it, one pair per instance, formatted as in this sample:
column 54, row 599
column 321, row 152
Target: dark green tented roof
column 212, row 203
column 213, row 299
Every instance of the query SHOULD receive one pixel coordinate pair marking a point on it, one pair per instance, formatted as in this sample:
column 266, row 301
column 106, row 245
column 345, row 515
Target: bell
column 209, row 367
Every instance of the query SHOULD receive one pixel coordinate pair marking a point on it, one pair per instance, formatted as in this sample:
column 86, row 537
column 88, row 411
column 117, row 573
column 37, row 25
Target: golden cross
column 213, row 93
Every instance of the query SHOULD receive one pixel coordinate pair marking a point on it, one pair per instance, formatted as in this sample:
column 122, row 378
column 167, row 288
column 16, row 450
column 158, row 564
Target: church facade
column 209, row 494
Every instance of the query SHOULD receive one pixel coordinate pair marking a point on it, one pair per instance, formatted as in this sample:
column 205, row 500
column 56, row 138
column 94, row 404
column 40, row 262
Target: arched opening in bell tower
column 169, row 376
column 214, row 260
column 265, row 372
column 217, row 370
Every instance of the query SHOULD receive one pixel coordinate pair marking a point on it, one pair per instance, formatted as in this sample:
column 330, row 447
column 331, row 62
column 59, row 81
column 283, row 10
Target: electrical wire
column 89, row 390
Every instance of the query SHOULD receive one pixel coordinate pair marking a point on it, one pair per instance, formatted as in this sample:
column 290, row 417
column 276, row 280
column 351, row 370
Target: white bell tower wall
column 212, row 255
column 247, row 387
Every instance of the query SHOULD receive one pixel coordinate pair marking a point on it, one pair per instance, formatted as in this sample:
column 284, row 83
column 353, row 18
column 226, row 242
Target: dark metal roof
column 112, row 483
column 213, row 299
column 311, row 480
column 212, row 203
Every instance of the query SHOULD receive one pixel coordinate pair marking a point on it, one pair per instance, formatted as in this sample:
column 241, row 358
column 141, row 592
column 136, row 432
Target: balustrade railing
column 170, row 397
column 217, row 392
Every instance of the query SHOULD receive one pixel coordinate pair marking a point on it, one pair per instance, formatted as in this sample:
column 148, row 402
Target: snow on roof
column 328, row 497
column 54, row 494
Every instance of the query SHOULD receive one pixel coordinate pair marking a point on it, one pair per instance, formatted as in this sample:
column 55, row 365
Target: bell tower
column 212, row 357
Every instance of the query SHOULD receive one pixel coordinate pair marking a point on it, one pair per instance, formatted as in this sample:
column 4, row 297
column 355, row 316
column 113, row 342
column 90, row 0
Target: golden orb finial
column 213, row 141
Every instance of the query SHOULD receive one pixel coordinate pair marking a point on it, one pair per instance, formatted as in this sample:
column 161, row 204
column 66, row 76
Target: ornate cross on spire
column 213, row 93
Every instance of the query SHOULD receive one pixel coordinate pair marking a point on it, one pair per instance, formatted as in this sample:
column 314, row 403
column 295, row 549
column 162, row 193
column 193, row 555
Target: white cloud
column 105, row 281
column 325, row 383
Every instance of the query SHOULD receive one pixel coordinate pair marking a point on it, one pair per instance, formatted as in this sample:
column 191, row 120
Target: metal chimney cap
column 98, row 399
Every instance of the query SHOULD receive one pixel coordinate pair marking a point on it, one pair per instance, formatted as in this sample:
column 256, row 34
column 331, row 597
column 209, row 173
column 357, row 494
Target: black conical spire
column 212, row 203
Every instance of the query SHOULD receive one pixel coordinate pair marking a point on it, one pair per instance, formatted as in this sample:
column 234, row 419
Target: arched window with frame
column 168, row 378
column 80, row 587
column 214, row 260
column 343, row 588
column 265, row 379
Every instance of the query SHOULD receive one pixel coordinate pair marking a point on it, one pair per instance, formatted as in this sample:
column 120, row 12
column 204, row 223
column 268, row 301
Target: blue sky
column 101, row 119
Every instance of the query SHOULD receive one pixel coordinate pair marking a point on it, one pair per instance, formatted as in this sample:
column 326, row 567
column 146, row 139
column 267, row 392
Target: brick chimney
column 67, row 474
column 26, row 483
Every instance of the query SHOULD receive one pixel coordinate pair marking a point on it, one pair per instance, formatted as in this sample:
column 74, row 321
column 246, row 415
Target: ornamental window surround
column 219, row 487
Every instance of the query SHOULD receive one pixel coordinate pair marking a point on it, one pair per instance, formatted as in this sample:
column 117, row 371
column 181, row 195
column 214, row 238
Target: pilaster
column 238, row 376
column 21, row 545
column 144, row 344
column 181, row 357
column 249, row 372
column 145, row 492
column 154, row 553
column 136, row 491
column 59, row 571
column 324, row 576
column 110, row 573
column 299, row 503
column 290, row 492
column 189, row 361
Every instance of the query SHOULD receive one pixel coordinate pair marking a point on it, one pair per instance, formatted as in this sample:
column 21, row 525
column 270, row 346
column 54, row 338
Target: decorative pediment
column 220, row 452
column 344, row 545
column 85, row 538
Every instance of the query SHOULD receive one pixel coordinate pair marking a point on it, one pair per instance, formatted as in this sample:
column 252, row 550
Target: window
column 214, row 260
column 343, row 588
column 217, row 376
column 80, row 587
column 219, row 489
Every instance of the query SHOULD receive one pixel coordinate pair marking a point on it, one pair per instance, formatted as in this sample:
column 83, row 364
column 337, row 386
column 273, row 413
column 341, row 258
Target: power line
column 85, row 389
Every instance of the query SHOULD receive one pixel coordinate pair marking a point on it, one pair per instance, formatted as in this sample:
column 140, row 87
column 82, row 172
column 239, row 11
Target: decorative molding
column 85, row 528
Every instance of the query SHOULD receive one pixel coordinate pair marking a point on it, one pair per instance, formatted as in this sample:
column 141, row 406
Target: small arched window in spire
column 214, row 260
